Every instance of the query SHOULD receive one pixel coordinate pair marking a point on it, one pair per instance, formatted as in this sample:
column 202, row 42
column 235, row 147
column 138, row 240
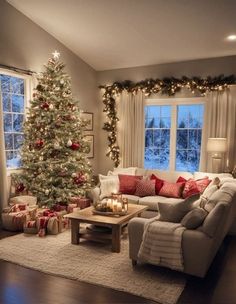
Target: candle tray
column 109, row 213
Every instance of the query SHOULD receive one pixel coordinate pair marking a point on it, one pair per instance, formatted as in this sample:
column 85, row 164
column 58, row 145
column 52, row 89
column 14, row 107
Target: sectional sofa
column 199, row 246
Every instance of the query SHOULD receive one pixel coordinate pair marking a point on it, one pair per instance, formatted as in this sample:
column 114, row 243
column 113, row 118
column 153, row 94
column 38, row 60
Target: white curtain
column 131, row 129
column 221, row 122
column 3, row 171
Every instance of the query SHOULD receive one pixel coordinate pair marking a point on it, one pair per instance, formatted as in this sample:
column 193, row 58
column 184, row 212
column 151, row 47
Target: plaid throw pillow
column 145, row 188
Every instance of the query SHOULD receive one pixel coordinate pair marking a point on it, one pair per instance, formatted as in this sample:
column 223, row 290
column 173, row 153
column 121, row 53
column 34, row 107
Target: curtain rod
column 18, row 70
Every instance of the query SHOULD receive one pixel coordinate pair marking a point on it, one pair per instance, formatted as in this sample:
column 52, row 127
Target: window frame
column 174, row 102
column 27, row 96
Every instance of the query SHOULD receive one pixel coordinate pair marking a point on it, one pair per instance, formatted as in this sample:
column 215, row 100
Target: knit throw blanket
column 161, row 244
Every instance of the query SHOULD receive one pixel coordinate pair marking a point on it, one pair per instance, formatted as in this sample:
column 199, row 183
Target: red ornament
column 45, row 106
column 39, row 143
column 75, row 146
column 20, row 188
column 79, row 179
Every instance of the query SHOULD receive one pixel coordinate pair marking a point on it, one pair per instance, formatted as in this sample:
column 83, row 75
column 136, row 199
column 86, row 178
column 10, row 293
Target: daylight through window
column 173, row 135
column 12, row 90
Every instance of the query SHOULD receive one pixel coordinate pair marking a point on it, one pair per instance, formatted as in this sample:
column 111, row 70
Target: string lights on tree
column 166, row 86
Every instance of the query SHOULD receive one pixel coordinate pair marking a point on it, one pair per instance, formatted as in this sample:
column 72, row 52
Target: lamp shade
column 217, row 145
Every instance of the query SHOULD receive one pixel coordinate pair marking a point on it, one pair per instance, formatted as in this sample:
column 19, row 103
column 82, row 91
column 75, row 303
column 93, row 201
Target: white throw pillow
column 108, row 185
column 124, row 171
column 200, row 175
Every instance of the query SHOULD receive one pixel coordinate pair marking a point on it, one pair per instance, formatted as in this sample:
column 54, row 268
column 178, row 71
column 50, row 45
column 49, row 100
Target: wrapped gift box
column 15, row 221
column 30, row 227
column 81, row 202
column 24, row 199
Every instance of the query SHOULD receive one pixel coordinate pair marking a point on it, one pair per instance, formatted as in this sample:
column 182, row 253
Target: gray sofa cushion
column 152, row 201
column 194, row 218
column 213, row 219
column 206, row 196
column 224, row 194
column 174, row 213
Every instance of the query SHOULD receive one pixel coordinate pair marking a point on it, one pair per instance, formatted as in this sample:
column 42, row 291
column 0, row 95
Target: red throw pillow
column 128, row 183
column 181, row 180
column 145, row 187
column 158, row 183
column 190, row 188
column 195, row 186
column 171, row 189
column 202, row 184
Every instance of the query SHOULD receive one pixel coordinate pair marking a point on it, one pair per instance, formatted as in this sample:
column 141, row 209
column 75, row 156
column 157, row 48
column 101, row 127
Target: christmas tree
column 53, row 154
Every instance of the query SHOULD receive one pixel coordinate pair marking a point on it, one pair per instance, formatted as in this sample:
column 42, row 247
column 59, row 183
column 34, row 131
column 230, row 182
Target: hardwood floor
column 19, row 285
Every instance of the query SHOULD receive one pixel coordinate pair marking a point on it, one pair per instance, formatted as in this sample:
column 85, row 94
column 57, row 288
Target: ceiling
column 111, row 34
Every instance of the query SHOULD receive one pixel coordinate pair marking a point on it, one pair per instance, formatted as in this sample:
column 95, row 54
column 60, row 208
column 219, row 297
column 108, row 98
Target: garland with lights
column 166, row 86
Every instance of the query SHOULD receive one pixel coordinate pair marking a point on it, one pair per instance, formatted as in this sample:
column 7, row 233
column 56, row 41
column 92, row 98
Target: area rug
column 93, row 263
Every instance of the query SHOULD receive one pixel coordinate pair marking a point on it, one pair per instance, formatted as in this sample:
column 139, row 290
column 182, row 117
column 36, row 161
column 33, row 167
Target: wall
column 24, row 44
column 203, row 68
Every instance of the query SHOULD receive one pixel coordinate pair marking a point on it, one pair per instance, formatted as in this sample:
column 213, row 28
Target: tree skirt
column 93, row 263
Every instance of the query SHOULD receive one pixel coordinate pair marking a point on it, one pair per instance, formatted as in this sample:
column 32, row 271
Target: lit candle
column 109, row 203
column 119, row 207
column 114, row 206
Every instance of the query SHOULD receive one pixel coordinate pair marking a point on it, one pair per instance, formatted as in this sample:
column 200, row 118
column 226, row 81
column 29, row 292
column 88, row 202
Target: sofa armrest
column 93, row 194
column 197, row 250
column 135, row 231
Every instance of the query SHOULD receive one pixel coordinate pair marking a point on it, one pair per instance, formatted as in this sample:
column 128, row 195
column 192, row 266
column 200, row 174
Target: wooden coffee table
column 115, row 223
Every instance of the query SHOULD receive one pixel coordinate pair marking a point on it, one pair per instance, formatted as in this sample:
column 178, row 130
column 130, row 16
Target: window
column 188, row 137
column 157, row 136
column 12, row 90
column 173, row 134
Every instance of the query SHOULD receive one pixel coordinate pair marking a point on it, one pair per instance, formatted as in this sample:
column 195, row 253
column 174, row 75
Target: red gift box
column 84, row 203
column 81, row 202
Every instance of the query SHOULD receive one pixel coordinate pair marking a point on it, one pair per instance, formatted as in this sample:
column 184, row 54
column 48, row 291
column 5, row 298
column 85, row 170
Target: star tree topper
column 56, row 54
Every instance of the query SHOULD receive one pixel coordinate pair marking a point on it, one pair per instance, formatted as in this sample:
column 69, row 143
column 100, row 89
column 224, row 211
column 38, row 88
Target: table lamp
column 217, row 146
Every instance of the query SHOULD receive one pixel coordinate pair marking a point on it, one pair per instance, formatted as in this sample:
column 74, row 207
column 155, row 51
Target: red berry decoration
column 75, row 146
column 20, row 188
column 45, row 106
column 39, row 143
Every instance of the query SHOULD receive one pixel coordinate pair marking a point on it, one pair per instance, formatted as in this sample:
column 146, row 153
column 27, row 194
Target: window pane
column 182, row 116
column 5, row 83
column 181, row 160
column 182, row 139
column 7, row 122
column 18, row 140
column 18, row 122
column 17, row 85
column 12, row 94
column 13, row 159
column 193, row 160
column 188, row 137
column 6, row 99
column 18, row 103
column 165, row 139
column 148, row 160
column 148, row 138
column 8, row 141
column 164, row 159
column 157, row 137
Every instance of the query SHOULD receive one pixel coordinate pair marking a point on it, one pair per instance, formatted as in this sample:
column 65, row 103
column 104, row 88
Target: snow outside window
column 12, row 90
column 189, row 137
column 157, row 137
column 173, row 134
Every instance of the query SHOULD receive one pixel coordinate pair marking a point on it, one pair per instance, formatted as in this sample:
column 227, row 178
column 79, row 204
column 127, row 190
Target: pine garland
column 166, row 86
